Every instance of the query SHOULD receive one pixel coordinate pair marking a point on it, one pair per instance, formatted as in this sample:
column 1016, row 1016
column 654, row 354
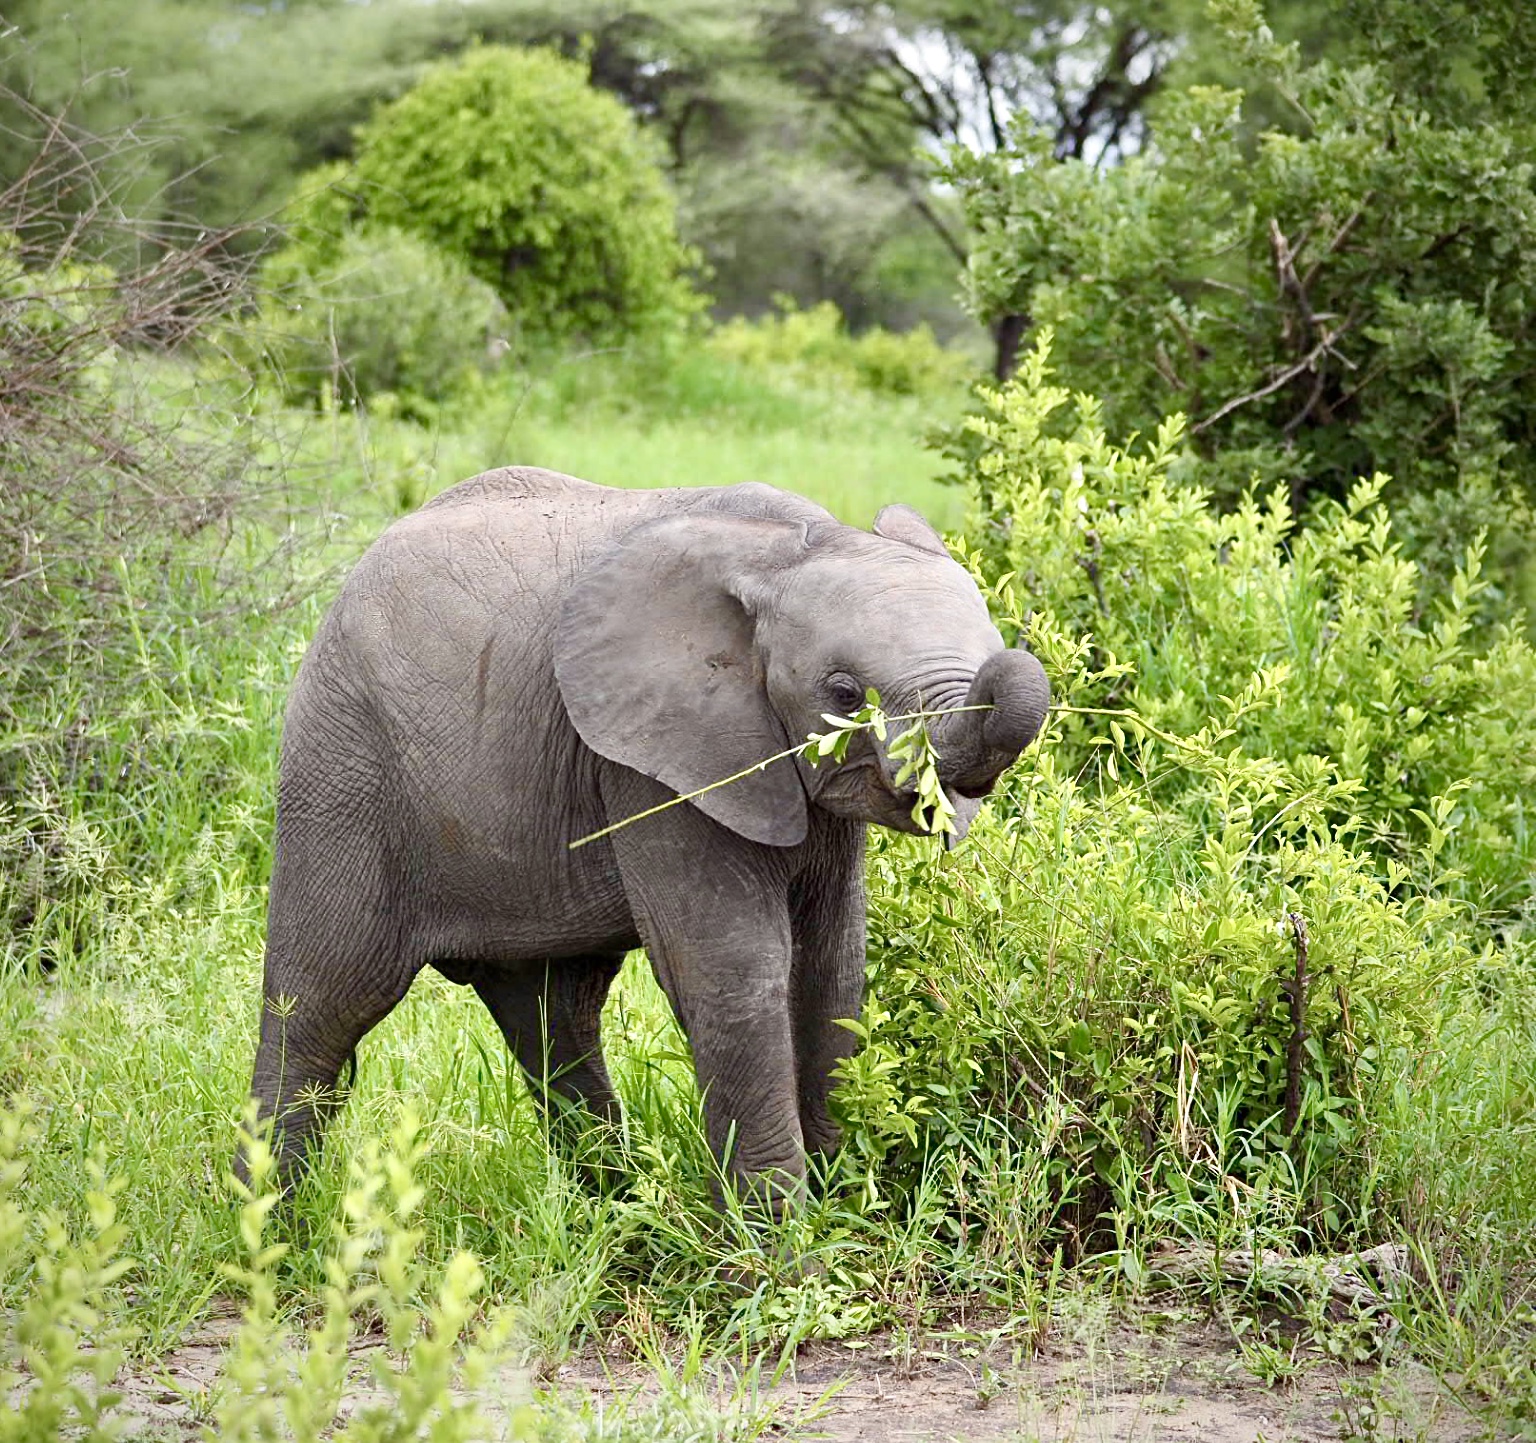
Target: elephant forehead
column 888, row 590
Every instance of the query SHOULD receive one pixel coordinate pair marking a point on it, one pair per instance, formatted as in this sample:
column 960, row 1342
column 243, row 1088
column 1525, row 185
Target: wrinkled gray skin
column 529, row 658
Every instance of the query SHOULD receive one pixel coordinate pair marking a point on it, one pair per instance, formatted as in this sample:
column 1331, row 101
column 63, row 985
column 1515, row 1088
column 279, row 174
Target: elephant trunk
column 975, row 746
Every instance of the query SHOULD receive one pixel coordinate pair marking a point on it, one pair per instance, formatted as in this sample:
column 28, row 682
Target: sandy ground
column 1111, row 1384
column 1167, row 1381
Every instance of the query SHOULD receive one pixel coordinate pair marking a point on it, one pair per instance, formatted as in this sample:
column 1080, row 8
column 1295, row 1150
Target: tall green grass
column 129, row 989
column 689, row 419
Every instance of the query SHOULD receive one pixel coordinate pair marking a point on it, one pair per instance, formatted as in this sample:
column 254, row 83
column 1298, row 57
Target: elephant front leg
column 713, row 911
column 827, row 916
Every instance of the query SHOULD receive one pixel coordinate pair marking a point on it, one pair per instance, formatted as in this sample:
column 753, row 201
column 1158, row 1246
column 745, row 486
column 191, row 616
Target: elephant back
column 513, row 483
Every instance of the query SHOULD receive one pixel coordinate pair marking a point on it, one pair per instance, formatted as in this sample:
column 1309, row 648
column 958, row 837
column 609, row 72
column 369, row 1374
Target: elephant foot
column 773, row 1266
column 595, row 1150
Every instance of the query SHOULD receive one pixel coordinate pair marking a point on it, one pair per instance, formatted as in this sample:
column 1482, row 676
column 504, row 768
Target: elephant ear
column 659, row 669
column 902, row 523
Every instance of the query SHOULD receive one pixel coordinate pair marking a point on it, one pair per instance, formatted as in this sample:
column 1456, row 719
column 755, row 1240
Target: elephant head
column 707, row 641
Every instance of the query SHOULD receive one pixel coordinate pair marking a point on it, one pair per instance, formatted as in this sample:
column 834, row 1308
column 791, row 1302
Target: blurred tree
column 907, row 79
column 1462, row 60
column 241, row 99
column 244, row 98
column 799, row 135
column 373, row 311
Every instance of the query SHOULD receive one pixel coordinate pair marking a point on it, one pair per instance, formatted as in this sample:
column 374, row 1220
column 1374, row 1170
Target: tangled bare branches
column 119, row 453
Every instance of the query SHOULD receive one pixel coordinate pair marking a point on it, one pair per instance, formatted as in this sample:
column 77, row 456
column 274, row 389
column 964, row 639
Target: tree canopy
column 1354, row 292
column 545, row 186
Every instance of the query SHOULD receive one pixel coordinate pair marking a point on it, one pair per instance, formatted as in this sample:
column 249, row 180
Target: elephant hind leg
column 551, row 1017
column 335, row 968
column 305, row 1045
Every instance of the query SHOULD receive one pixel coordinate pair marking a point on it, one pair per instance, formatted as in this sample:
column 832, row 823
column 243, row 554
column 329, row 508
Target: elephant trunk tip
column 1009, row 699
column 1020, row 695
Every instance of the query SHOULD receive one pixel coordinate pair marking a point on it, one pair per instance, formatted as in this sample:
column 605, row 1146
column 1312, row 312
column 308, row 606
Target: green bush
column 1411, row 718
column 438, row 1362
column 1234, row 894
column 326, row 206
column 381, row 312
column 58, row 1350
column 1351, row 293
column 1088, row 1018
column 816, row 346
column 543, row 186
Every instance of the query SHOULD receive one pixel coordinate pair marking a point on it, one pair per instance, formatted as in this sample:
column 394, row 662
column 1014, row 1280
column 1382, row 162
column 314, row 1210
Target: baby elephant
column 530, row 658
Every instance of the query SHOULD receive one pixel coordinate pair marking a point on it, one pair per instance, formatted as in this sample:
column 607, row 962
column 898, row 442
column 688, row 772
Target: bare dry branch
column 112, row 460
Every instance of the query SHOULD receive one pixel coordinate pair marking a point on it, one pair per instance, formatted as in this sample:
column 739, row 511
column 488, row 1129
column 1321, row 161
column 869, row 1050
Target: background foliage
column 509, row 160
column 1349, row 290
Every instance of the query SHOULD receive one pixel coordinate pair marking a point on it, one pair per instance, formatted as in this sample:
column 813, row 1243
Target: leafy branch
column 913, row 748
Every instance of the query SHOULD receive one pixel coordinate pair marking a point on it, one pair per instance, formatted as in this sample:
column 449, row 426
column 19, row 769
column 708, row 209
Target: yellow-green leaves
column 58, row 1351
column 912, row 748
column 833, row 744
column 428, row 1382
column 933, row 811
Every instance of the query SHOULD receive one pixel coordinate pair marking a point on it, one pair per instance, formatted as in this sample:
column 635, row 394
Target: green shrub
column 1413, row 718
column 326, row 206
column 281, row 1385
column 816, row 347
column 1350, row 293
column 58, row 1350
column 105, row 455
column 135, row 506
column 1232, row 898
column 1104, row 987
column 543, row 186
column 382, row 312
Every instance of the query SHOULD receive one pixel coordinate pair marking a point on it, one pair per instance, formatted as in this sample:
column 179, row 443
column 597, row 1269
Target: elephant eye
column 845, row 693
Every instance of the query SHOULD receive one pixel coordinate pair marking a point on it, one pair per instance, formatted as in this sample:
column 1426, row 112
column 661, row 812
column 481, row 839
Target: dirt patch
column 1181, row 1383
column 1170, row 1381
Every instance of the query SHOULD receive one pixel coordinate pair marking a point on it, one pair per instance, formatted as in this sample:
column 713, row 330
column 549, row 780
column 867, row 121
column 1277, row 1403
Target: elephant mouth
column 863, row 789
column 966, row 803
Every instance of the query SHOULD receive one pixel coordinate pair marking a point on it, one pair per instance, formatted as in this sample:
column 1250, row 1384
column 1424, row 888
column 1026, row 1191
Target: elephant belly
column 494, row 908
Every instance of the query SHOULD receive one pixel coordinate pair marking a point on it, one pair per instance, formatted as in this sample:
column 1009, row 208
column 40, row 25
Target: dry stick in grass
column 1296, row 990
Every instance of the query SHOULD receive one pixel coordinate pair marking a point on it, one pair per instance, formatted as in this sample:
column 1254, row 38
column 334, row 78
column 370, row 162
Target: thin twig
column 745, row 772
column 1135, row 719
column 1340, row 236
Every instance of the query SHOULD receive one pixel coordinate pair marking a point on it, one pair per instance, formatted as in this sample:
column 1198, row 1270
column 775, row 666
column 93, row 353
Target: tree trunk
column 1007, row 336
